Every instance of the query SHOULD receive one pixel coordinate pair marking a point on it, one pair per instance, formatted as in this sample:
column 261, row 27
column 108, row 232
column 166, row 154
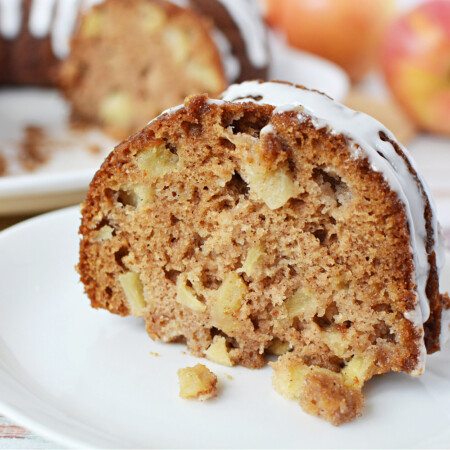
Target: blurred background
column 397, row 56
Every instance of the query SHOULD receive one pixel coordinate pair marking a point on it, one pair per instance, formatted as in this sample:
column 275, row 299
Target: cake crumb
column 154, row 354
column 197, row 382
column 94, row 149
column 228, row 376
column 32, row 148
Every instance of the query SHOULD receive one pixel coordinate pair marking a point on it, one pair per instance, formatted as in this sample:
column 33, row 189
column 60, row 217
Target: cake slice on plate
column 272, row 220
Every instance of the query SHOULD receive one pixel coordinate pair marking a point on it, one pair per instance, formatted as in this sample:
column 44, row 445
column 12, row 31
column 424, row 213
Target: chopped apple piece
column 92, row 24
column 136, row 196
column 204, row 75
column 105, row 233
column 229, row 299
column 336, row 342
column 152, row 18
column 157, row 160
column 274, row 187
column 134, row 292
column 301, row 303
column 218, row 352
column 288, row 378
column 251, row 261
column 356, row 371
column 177, row 41
column 279, row 347
column 186, row 295
column 116, row 109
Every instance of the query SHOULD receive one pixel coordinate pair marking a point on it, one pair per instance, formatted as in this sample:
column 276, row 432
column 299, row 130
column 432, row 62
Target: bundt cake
column 130, row 63
column 273, row 220
column 123, row 61
column 34, row 37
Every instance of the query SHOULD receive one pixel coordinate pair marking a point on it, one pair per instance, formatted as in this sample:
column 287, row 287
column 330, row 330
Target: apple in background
column 416, row 64
column 347, row 32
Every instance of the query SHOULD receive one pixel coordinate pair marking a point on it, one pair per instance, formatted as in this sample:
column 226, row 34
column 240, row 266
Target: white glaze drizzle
column 10, row 18
column 63, row 26
column 363, row 131
column 48, row 18
column 41, row 17
column 247, row 17
column 444, row 337
column 231, row 64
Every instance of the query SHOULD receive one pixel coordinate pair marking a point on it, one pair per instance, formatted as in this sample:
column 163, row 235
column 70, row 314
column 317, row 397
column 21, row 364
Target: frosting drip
column 10, row 18
column 231, row 64
column 48, row 18
column 247, row 17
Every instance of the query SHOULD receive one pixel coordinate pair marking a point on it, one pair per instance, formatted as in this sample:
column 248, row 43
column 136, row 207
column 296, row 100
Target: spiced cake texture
column 120, row 62
column 130, row 63
column 243, row 229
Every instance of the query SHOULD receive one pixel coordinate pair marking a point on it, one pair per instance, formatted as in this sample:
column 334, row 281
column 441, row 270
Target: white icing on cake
column 364, row 131
column 48, row 18
column 444, row 338
column 41, row 17
column 10, row 18
column 247, row 16
column 231, row 64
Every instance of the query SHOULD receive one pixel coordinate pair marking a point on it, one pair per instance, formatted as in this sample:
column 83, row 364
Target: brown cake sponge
column 244, row 229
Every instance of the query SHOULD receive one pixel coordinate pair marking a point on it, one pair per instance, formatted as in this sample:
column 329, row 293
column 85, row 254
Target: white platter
column 87, row 378
column 64, row 179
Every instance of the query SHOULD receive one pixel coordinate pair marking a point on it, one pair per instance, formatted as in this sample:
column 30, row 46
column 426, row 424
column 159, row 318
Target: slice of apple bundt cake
column 272, row 220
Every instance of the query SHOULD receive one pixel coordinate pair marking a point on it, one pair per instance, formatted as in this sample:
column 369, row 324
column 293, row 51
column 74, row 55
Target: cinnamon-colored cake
column 123, row 61
column 130, row 61
column 273, row 220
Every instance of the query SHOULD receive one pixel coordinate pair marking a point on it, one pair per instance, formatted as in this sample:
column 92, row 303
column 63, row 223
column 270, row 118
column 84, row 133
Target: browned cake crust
column 241, row 243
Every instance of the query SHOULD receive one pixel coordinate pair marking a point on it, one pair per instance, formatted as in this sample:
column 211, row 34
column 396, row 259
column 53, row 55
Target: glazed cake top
column 57, row 18
column 364, row 135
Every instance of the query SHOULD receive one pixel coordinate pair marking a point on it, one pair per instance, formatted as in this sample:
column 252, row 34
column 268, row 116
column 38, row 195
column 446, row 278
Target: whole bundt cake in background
column 34, row 38
column 274, row 221
column 122, row 61
column 131, row 60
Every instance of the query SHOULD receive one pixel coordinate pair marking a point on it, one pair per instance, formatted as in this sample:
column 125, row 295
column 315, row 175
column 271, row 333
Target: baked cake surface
column 120, row 62
column 273, row 221
column 130, row 61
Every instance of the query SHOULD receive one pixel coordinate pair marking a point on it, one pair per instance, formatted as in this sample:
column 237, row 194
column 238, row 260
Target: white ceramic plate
column 63, row 180
column 83, row 377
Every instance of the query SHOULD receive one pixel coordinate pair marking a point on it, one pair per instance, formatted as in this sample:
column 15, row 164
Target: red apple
column 348, row 32
column 416, row 64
